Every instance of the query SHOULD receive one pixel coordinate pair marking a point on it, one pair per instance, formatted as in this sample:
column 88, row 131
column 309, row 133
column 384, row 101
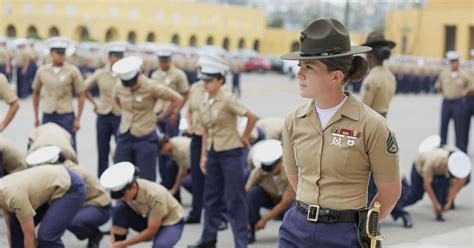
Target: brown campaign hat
column 378, row 39
column 325, row 38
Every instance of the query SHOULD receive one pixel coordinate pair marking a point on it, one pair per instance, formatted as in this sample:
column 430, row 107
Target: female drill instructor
column 332, row 144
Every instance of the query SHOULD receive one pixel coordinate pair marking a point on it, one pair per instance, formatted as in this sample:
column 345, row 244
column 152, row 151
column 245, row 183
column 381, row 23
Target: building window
column 11, row 31
column 113, row 11
column 471, row 42
column 295, row 46
column 177, row 18
column 133, row 14
column 28, row 9
column 49, row 9
column 225, row 43
column 71, row 10
column 210, row 40
column 7, row 9
column 82, row 34
column 193, row 41
column 111, row 34
column 256, row 45
column 449, row 38
column 159, row 16
column 132, row 37
column 53, row 31
column 32, row 33
column 241, row 43
column 210, row 20
column 151, row 37
column 194, row 20
column 175, row 39
column 404, row 44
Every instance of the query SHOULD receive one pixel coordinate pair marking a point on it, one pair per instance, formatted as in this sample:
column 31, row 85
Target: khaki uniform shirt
column 23, row 192
column 274, row 186
column 175, row 79
column 96, row 194
column 154, row 200
column 236, row 66
column 53, row 134
column 106, row 80
column 195, row 98
column 150, row 63
column 180, row 151
column 271, row 127
column 191, row 63
column 6, row 92
column 4, row 56
column 219, row 117
column 13, row 158
column 23, row 57
column 137, row 107
column 94, row 60
column 434, row 162
column 378, row 89
column 333, row 164
column 58, row 88
column 452, row 84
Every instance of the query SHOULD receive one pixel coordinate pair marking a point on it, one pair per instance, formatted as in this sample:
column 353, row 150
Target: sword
column 372, row 225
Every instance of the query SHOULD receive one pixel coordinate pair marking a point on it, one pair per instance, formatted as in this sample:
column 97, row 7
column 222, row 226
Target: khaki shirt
column 175, row 79
column 378, row 89
column 150, row 63
column 58, row 88
column 6, row 92
column 154, row 200
column 452, row 84
column 13, row 158
column 274, row 186
column 191, row 63
column 94, row 60
column 237, row 66
column 4, row 56
column 137, row 107
column 434, row 162
column 180, row 151
column 53, row 134
column 23, row 192
column 195, row 98
column 96, row 194
column 106, row 80
column 333, row 164
column 219, row 117
column 23, row 57
column 271, row 127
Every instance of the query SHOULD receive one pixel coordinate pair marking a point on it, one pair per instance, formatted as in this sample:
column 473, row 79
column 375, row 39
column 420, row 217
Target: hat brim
column 388, row 43
column 354, row 50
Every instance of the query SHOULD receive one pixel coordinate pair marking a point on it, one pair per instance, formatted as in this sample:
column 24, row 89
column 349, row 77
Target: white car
column 290, row 67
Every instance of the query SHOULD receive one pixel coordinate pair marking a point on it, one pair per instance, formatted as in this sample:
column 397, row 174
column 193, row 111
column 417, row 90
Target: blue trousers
column 467, row 115
column 225, row 181
column 192, row 77
column 54, row 218
column 168, row 175
column 30, row 75
column 236, row 84
column 416, row 191
column 258, row 198
column 123, row 216
column 296, row 232
column 166, row 128
column 140, row 151
column 456, row 110
column 106, row 126
column 65, row 121
column 196, row 176
column 87, row 221
column 23, row 86
column 3, row 69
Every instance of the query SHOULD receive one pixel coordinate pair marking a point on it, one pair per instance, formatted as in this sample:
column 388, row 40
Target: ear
column 337, row 76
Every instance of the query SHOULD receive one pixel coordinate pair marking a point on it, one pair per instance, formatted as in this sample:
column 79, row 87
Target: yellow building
column 185, row 23
column 433, row 29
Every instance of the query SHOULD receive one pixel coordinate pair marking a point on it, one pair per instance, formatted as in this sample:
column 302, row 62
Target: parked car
column 258, row 64
column 290, row 67
column 276, row 63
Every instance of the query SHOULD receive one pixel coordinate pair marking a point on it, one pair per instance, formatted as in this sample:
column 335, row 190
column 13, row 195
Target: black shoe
column 439, row 217
column 407, row 220
column 192, row 220
column 94, row 242
column 202, row 244
column 452, row 206
column 251, row 236
column 223, row 226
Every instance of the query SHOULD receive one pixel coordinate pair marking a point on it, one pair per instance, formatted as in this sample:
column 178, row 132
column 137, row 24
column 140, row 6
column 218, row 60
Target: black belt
column 316, row 214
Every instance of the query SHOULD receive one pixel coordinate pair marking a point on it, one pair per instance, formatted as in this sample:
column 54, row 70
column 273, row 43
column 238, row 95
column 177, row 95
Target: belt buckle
column 310, row 211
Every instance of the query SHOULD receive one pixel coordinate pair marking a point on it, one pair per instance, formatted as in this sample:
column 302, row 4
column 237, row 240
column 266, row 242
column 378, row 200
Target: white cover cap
column 116, row 47
column 117, row 176
column 58, row 42
column 429, row 143
column 210, row 67
column 266, row 152
column 127, row 67
column 452, row 55
column 20, row 42
column 459, row 164
column 165, row 51
column 43, row 155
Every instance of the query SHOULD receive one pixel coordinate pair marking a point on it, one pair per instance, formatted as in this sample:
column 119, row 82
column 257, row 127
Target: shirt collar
column 350, row 109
